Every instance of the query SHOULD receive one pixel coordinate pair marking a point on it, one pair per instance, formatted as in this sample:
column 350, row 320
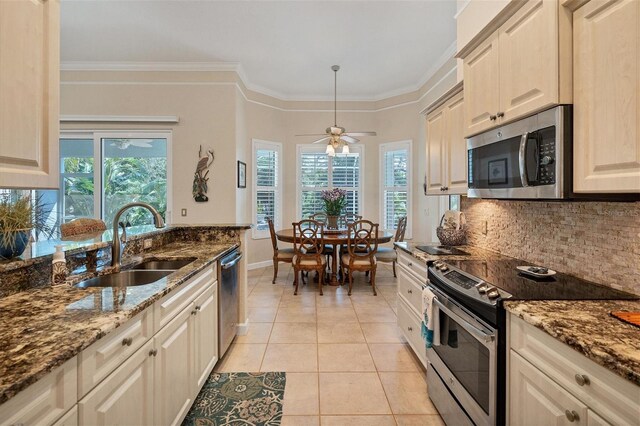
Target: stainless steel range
column 466, row 375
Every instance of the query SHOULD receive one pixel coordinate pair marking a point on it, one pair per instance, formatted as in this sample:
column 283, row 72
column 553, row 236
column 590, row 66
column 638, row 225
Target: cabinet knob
column 127, row 341
column 194, row 312
column 410, row 328
column 410, row 291
column 197, row 308
column 572, row 416
column 582, row 380
column 153, row 352
column 492, row 117
column 409, row 263
column 445, row 188
column 500, row 114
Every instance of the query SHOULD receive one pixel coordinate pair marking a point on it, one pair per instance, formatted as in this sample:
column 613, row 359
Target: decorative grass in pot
column 17, row 218
column 335, row 200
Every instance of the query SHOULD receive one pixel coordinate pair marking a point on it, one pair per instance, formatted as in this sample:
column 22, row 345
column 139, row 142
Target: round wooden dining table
column 335, row 239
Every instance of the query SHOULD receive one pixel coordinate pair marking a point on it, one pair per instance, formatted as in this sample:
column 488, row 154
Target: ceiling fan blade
column 361, row 133
column 140, row 144
column 322, row 139
column 349, row 139
column 312, row 134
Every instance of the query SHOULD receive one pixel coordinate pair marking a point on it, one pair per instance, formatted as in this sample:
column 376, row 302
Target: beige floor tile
column 345, row 314
column 376, row 314
column 333, row 300
column 263, row 300
column 301, row 299
column 420, row 420
column 345, row 357
column 340, row 332
column 382, row 332
column 258, row 333
column 294, row 357
column 290, row 332
column 243, row 357
column 300, row 421
column 262, row 314
column 296, row 314
column 301, row 394
column 393, row 357
column 352, row 393
column 358, row 421
column 407, row 393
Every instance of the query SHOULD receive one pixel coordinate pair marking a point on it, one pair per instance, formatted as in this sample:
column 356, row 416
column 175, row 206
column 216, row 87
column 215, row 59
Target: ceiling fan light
column 330, row 151
column 345, row 149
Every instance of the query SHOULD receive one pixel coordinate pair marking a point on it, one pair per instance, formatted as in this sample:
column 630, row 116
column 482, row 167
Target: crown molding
column 150, row 66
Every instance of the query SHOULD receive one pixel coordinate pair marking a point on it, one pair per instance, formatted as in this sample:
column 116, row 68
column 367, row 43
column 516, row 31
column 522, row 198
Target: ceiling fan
column 336, row 135
column 126, row 143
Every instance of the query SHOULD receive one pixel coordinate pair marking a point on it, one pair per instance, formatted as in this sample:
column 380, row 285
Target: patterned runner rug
column 239, row 399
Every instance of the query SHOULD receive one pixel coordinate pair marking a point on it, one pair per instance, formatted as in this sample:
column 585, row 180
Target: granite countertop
column 475, row 253
column 588, row 327
column 42, row 328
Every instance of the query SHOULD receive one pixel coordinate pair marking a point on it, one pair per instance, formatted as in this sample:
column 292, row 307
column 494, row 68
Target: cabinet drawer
column 101, row 358
column 609, row 395
column 411, row 289
column 69, row 419
column 410, row 324
column 46, row 400
column 167, row 308
column 410, row 263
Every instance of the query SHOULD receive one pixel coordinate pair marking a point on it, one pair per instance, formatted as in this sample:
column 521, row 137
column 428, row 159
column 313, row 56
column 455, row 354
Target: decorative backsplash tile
column 596, row 241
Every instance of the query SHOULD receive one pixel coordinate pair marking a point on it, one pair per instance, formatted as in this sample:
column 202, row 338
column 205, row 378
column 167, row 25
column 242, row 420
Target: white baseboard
column 243, row 328
column 259, row 265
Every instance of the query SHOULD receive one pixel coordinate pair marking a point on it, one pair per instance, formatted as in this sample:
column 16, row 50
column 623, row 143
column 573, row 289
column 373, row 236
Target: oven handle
column 476, row 332
column 522, row 160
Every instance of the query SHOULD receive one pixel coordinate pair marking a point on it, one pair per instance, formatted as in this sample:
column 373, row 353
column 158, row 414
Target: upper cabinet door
column 29, row 93
column 481, row 83
column 606, row 47
column 529, row 60
column 457, row 146
column 436, row 152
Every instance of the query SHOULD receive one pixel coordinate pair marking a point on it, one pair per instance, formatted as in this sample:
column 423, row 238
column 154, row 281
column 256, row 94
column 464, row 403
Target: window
column 395, row 177
column 317, row 171
column 267, row 186
column 101, row 172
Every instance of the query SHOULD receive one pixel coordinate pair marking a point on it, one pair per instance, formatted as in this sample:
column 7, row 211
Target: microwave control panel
column 546, row 162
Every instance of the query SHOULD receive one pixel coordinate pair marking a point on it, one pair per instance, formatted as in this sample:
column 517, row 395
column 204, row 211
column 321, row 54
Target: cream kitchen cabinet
column 606, row 67
column 447, row 147
column 521, row 68
column 206, row 335
column 29, row 93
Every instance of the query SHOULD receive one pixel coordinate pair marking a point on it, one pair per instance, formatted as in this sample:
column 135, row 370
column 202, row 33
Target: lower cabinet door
column 69, row 419
column 206, row 334
column 125, row 397
column 174, row 368
column 535, row 399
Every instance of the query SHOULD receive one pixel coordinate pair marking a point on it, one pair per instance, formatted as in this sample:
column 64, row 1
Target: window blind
column 267, row 187
column 395, row 197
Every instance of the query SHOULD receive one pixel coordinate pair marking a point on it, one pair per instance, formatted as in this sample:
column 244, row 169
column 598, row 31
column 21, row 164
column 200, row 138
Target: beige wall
column 215, row 110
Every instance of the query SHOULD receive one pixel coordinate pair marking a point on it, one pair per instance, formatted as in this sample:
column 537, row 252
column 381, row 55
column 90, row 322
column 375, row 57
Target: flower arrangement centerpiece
column 18, row 216
column 335, row 200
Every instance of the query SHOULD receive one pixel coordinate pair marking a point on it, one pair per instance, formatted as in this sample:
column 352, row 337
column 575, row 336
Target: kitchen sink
column 163, row 265
column 125, row 279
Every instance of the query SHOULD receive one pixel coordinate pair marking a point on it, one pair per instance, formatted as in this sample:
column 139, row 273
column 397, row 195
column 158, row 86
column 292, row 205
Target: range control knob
column 444, row 268
column 482, row 288
column 492, row 293
column 546, row 160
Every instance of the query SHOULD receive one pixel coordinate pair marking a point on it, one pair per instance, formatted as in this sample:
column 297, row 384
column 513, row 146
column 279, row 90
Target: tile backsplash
column 596, row 241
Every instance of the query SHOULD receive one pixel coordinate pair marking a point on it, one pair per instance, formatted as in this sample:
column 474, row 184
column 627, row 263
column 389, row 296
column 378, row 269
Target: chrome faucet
column 117, row 246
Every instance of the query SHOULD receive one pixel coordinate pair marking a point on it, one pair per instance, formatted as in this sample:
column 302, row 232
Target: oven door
column 465, row 358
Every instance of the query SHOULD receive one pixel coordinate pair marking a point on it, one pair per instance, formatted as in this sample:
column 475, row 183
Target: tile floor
column 346, row 361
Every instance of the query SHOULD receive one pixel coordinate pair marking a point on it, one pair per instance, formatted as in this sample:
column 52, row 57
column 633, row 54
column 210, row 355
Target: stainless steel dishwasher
column 228, row 300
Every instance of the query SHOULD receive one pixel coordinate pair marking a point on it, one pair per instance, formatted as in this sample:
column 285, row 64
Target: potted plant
column 18, row 216
column 335, row 200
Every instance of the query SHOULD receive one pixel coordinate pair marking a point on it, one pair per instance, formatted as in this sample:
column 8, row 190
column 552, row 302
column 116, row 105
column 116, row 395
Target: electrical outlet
column 147, row 243
column 484, row 227
column 183, row 212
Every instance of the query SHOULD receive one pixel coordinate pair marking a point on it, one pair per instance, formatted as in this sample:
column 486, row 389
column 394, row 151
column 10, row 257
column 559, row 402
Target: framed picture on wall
column 242, row 174
column 498, row 171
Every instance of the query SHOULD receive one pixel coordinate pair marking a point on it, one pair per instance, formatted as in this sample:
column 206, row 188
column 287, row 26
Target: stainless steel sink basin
column 166, row 265
column 125, row 279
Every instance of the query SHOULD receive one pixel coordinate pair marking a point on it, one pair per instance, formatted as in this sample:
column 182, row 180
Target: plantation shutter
column 314, row 175
column 395, row 186
column 346, row 175
column 267, row 186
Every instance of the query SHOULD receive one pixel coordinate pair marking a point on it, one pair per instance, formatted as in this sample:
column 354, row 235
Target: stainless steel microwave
column 527, row 159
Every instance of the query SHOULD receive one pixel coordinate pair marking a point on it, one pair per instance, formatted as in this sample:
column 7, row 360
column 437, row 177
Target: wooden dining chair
column 348, row 218
column 320, row 217
column 362, row 246
column 308, row 242
column 388, row 254
column 279, row 255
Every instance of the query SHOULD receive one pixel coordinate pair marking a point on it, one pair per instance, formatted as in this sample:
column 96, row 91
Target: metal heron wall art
column 200, row 177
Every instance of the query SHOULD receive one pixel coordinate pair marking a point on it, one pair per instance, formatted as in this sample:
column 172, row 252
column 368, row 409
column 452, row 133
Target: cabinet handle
column 197, row 308
column 445, row 188
column 153, row 352
column 572, row 416
column 127, row 341
column 500, row 114
column 194, row 312
column 582, row 380
column 409, row 263
column 492, row 117
column 410, row 328
column 410, row 291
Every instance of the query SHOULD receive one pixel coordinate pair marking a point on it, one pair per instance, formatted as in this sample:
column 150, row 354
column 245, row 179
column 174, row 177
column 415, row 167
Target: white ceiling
column 285, row 48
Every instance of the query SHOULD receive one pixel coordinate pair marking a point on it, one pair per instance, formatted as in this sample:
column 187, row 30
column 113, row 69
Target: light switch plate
column 147, row 243
column 183, row 212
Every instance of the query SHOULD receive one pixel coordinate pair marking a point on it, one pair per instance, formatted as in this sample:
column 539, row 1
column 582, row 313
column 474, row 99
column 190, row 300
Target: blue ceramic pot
column 16, row 248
